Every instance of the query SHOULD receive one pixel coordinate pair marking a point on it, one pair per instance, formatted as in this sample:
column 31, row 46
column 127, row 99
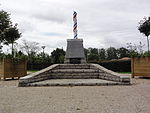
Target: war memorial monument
column 75, row 71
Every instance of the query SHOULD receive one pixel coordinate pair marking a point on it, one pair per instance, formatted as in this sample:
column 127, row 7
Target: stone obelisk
column 75, row 50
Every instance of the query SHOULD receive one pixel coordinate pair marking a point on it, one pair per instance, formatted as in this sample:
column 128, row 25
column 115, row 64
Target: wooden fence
column 140, row 66
column 11, row 68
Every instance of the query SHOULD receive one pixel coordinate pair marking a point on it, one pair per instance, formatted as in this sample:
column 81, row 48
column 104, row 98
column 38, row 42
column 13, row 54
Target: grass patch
column 124, row 72
column 32, row 71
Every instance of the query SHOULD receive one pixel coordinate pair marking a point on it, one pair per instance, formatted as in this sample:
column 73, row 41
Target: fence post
column 132, row 67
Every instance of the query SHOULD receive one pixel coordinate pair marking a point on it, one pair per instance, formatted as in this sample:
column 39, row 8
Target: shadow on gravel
column 143, row 78
column 9, row 79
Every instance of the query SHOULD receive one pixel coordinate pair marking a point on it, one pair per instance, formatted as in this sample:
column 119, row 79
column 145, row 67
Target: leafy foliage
column 123, row 52
column 4, row 20
column 118, row 66
column 4, row 24
column 144, row 27
column 30, row 48
column 11, row 35
column 102, row 54
column 135, row 50
column 147, row 54
column 111, row 53
column 8, row 33
column 93, row 54
column 58, row 56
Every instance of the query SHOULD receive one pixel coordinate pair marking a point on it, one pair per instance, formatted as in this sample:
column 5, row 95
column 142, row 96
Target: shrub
column 117, row 66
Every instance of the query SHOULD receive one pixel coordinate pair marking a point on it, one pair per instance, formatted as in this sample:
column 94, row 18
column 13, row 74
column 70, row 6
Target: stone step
column 76, row 71
column 60, row 75
column 73, row 66
column 73, row 77
column 76, row 82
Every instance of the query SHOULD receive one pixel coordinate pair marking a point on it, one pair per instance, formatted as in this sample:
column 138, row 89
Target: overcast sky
column 101, row 23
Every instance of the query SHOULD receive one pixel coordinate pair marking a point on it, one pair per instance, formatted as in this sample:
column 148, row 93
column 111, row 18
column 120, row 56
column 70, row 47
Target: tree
column 4, row 24
column 144, row 27
column 111, row 53
column 11, row 35
column 93, row 54
column 4, row 20
column 132, row 49
column 39, row 59
column 30, row 48
column 58, row 55
column 8, row 33
column 140, row 48
column 102, row 54
column 86, row 51
column 123, row 52
column 93, row 50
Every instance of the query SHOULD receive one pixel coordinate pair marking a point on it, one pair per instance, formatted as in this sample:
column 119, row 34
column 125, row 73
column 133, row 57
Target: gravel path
column 78, row 99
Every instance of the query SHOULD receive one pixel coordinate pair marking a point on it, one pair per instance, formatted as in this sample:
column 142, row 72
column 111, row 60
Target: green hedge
column 117, row 66
column 37, row 66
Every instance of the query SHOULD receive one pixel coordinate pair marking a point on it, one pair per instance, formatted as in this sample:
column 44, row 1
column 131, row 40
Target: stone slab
column 76, row 82
column 75, row 48
column 75, row 52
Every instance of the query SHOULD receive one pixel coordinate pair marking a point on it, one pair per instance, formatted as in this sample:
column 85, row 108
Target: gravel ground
column 78, row 99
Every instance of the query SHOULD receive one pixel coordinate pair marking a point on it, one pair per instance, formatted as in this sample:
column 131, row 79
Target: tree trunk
column 12, row 51
column 148, row 43
column 0, row 47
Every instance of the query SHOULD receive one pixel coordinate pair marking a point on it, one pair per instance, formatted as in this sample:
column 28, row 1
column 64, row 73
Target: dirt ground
column 78, row 99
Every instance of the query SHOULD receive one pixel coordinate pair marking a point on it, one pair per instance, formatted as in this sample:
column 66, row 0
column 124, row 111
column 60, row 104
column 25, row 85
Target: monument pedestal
column 75, row 68
column 75, row 52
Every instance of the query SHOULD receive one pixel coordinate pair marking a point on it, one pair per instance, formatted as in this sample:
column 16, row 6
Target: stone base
column 74, row 71
column 67, row 61
column 75, row 52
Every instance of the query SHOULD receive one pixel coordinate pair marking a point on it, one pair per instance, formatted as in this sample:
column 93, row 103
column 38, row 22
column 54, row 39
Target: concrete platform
column 76, row 82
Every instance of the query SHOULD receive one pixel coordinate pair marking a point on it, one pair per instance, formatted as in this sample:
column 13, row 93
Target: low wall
column 10, row 68
column 140, row 66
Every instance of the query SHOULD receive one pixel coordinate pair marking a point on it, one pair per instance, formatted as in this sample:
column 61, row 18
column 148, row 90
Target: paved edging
column 77, row 84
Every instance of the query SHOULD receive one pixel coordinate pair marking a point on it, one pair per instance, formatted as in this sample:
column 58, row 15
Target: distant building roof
column 125, row 58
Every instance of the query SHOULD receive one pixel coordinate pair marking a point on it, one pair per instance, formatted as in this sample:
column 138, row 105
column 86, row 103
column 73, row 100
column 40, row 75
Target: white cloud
column 101, row 23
